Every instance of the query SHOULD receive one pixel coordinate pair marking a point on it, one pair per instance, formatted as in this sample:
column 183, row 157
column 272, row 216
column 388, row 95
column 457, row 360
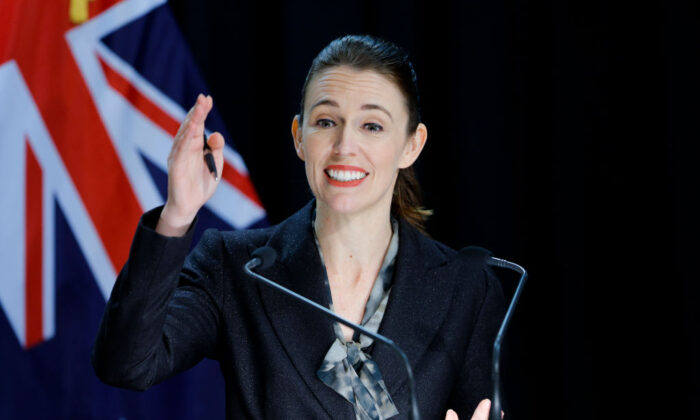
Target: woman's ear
column 296, row 136
column 414, row 146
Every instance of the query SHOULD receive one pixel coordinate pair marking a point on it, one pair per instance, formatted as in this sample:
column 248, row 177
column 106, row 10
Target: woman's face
column 354, row 139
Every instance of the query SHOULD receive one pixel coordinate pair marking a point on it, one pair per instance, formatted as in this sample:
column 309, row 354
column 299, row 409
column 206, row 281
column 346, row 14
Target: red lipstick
column 337, row 183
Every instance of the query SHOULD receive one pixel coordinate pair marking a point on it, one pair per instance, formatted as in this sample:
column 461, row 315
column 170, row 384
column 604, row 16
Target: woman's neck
column 353, row 245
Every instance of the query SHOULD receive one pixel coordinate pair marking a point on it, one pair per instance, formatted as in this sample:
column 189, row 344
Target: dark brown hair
column 363, row 52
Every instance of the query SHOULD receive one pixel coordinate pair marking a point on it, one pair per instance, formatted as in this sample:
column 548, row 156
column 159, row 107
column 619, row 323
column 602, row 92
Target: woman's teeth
column 345, row 176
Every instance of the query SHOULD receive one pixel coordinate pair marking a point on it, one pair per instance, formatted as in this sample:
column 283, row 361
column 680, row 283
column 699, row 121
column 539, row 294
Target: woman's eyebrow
column 379, row 107
column 331, row 102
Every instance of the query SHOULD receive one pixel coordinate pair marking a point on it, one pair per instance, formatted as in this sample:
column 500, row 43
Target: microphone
column 266, row 256
column 495, row 413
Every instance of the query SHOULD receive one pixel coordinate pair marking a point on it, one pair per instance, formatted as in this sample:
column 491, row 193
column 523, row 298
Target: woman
column 357, row 248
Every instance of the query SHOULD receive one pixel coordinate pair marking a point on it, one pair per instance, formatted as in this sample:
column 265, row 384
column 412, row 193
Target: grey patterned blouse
column 347, row 368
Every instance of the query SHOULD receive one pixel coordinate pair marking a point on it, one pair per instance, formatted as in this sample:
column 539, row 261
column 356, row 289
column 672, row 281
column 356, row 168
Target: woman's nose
column 345, row 143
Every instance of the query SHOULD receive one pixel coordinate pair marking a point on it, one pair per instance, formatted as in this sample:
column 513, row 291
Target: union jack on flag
column 91, row 95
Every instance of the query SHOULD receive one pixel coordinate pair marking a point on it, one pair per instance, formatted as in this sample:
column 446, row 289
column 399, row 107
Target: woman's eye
column 373, row 127
column 325, row 123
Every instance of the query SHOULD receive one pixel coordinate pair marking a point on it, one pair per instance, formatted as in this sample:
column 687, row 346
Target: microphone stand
column 496, row 362
column 259, row 260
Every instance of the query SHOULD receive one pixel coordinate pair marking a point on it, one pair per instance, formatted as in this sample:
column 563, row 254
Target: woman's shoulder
column 427, row 247
column 246, row 235
column 467, row 269
column 245, row 241
column 241, row 241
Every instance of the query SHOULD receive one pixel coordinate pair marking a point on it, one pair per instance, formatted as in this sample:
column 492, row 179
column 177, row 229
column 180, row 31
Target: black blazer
column 163, row 317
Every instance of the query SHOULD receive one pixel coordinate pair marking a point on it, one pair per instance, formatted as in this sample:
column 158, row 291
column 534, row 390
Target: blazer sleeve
column 163, row 313
column 474, row 383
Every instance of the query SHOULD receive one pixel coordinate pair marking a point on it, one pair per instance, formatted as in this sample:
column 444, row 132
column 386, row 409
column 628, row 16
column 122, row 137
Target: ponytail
column 407, row 200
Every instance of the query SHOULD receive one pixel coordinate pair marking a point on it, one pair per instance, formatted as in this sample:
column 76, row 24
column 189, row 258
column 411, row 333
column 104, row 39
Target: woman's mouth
column 344, row 175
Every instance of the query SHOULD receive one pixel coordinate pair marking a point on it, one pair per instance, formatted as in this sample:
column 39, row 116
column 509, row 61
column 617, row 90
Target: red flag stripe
column 153, row 112
column 139, row 100
column 33, row 305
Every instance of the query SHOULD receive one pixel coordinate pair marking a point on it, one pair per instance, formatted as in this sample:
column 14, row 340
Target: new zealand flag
column 91, row 95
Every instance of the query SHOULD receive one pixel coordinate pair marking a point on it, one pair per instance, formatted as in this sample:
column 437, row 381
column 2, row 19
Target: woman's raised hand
column 190, row 184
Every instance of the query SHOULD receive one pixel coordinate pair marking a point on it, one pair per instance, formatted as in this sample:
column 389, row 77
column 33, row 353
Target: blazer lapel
column 417, row 305
column 305, row 334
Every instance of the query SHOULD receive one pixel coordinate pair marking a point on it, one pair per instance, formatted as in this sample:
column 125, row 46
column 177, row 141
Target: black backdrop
column 562, row 135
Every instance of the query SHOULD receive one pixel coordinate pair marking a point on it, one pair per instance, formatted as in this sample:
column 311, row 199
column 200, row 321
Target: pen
column 209, row 158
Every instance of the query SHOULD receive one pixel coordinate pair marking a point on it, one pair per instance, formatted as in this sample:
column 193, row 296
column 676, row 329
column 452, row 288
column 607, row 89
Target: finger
column 180, row 141
column 451, row 415
column 201, row 109
column 482, row 410
column 194, row 131
column 190, row 139
column 190, row 136
column 200, row 99
column 188, row 117
column 216, row 143
column 183, row 142
column 197, row 134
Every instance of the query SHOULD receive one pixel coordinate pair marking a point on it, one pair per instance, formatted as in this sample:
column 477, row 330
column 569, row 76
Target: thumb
column 451, row 415
column 216, row 144
column 216, row 141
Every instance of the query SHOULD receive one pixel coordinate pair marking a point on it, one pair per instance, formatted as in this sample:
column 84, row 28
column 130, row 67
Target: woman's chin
column 343, row 204
column 348, row 204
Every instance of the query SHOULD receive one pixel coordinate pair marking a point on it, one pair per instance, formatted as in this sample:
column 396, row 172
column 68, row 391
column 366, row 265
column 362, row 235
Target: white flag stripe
column 12, row 210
